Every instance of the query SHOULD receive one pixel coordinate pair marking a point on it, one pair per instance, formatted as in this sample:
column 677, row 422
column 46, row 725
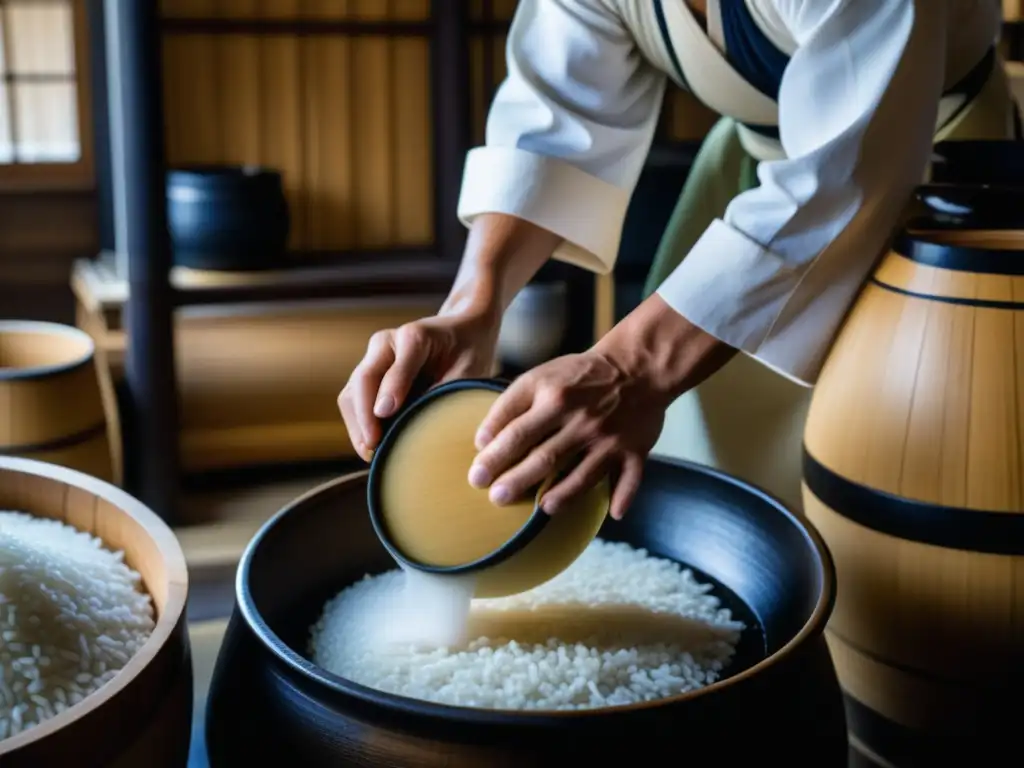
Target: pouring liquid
column 427, row 610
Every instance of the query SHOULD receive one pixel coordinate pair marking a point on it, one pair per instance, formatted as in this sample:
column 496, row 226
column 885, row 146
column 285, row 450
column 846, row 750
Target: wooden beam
column 450, row 85
column 137, row 123
column 182, row 25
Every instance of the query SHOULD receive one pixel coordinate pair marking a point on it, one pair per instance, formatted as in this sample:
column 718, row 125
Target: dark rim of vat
column 42, row 327
column 815, row 625
column 926, row 247
column 533, row 525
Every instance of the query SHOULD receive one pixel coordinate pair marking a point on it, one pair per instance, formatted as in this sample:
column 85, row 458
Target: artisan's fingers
column 537, row 466
column 513, row 402
column 365, row 383
column 521, row 435
column 626, row 485
column 592, row 467
column 355, row 432
column 411, row 349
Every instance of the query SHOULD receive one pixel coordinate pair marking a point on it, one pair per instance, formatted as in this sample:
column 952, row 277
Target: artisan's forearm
column 656, row 345
column 502, row 254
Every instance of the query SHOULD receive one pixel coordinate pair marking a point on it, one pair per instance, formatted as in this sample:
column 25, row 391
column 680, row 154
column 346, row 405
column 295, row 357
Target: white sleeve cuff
column 733, row 288
column 585, row 211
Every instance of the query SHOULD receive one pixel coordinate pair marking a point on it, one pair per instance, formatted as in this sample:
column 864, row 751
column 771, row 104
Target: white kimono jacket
column 857, row 111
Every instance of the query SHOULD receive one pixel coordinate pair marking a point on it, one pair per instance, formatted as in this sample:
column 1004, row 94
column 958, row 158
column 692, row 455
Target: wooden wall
column 41, row 234
column 48, row 214
column 345, row 116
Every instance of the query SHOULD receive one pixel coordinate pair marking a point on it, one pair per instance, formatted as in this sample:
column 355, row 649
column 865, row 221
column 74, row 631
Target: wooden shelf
column 359, row 275
column 257, row 381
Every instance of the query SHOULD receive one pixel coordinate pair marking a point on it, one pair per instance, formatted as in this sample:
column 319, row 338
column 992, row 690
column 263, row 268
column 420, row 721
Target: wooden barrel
column 914, row 475
column 143, row 716
column 51, row 408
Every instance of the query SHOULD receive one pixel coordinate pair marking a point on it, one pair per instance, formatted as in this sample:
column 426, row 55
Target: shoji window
column 45, row 130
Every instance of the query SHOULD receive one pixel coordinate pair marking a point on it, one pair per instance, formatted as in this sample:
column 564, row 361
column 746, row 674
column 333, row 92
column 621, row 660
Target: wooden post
column 451, row 108
column 139, row 173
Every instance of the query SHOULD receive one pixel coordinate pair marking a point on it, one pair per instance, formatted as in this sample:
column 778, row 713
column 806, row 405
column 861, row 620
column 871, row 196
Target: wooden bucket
column 914, row 475
column 143, row 716
column 51, row 408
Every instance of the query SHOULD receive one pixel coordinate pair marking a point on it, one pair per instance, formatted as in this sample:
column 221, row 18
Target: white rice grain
column 72, row 614
column 618, row 627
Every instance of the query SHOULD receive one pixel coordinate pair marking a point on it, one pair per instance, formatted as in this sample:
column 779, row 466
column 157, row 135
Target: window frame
column 79, row 175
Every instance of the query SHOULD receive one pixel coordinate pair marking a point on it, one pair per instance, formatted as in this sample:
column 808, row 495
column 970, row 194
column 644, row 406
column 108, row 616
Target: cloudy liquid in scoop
column 430, row 511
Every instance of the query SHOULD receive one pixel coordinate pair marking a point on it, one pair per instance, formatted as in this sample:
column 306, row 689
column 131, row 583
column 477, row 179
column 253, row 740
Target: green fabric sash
column 721, row 171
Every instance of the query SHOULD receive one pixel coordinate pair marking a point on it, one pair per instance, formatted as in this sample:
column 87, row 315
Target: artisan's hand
column 502, row 255
column 603, row 409
column 435, row 349
column 578, row 405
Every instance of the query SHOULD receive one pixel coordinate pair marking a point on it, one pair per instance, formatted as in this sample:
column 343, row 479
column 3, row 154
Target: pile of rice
column 71, row 615
column 616, row 628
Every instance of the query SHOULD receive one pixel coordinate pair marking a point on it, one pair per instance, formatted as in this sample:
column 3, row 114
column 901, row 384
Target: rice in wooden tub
column 72, row 614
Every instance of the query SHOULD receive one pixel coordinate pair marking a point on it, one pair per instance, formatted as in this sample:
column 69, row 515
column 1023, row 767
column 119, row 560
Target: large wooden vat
column 51, row 405
column 141, row 718
column 914, row 475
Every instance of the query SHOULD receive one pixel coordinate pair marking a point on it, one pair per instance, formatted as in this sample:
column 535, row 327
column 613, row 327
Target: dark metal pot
column 780, row 702
column 979, row 161
column 968, row 207
column 227, row 217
